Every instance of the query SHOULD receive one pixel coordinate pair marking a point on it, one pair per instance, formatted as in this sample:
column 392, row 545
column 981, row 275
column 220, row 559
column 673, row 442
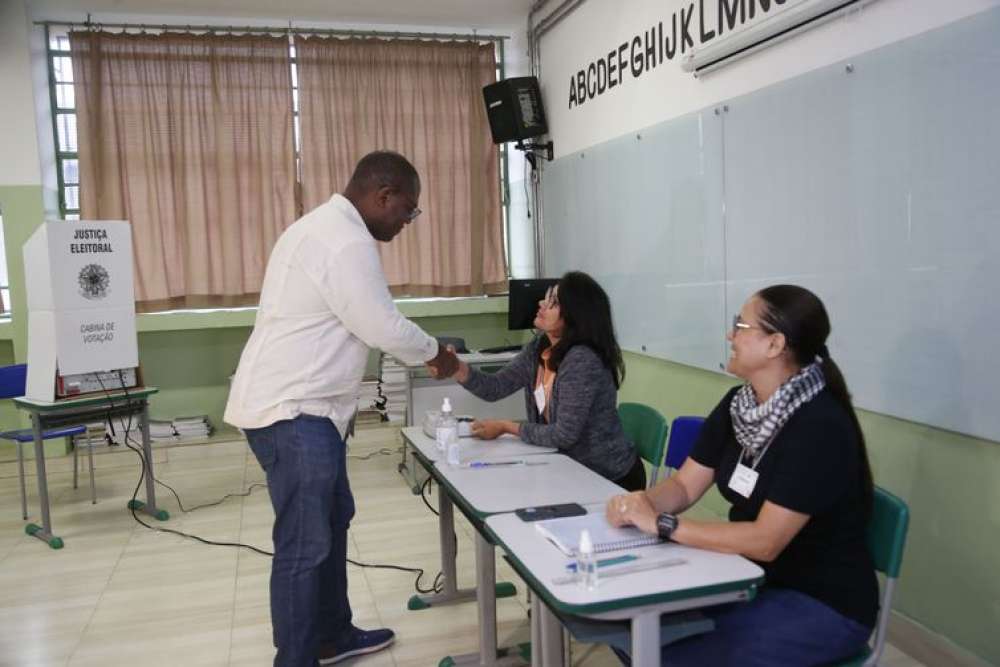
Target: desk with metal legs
column 80, row 410
column 545, row 479
column 703, row 579
column 426, row 454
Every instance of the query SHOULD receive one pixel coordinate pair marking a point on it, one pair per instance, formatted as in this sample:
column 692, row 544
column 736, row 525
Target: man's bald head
column 385, row 189
column 384, row 169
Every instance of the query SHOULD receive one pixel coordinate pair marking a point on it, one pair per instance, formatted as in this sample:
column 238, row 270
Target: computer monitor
column 522, row 302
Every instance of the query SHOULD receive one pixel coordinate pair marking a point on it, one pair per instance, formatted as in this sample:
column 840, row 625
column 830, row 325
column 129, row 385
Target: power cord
column 435, row 585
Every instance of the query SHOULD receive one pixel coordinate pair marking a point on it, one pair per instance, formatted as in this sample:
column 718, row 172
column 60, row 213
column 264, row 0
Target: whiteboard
column 873, row 182
column 642, row 215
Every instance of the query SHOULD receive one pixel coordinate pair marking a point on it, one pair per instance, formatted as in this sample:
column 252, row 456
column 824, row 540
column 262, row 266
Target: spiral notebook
column 565, row 534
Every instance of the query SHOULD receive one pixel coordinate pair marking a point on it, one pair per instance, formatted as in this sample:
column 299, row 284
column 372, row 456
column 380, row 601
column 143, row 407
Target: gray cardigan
column 583, row 414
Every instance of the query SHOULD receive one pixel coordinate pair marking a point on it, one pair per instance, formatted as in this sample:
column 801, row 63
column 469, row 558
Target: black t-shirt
column 812, row 467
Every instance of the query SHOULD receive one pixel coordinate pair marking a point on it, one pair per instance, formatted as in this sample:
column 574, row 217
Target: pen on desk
column 494, row 464
column 625, row 569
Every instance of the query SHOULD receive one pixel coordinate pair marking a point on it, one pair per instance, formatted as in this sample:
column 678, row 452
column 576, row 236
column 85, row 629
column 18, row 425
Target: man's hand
column 633, row 509
column 445, row 364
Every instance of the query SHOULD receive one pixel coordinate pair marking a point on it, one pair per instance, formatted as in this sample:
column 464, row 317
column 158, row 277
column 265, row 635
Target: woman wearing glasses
column 570, row 376
column 787, row 451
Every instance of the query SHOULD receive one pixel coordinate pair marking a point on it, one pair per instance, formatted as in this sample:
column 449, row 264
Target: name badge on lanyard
column 744, row 479
column 540, row 398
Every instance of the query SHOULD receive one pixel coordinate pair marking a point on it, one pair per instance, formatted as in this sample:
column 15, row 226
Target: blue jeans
column 306, row 464
column 778, row 628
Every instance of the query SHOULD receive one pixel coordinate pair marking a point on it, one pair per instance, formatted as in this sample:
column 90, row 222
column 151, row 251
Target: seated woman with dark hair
column 786, row 450
column 570, row 376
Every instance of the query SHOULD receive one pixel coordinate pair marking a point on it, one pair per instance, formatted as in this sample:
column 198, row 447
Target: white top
column 324, row 302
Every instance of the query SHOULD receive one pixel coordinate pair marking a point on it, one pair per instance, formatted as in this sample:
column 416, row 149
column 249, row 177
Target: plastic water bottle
column 446, row 431
column 586, row 564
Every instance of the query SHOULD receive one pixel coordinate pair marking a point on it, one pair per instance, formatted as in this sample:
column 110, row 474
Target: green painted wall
column 949, row 581
column 192, row 367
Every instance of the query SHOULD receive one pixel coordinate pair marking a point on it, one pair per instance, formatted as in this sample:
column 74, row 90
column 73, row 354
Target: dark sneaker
column 358, row 642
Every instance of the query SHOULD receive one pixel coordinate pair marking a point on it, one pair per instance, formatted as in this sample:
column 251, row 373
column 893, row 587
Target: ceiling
column 445, row 13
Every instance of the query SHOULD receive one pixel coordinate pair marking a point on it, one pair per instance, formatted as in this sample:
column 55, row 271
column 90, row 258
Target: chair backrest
column 886, row 539
column 12, row 380
column 887, row 532
column 683, row 433
column 647, row 428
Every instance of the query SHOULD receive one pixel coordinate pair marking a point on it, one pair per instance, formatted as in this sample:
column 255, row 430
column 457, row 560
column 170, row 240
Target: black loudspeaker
column 514, row 108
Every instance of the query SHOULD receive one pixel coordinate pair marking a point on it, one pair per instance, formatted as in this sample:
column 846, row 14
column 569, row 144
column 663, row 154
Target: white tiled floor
column 119, row 594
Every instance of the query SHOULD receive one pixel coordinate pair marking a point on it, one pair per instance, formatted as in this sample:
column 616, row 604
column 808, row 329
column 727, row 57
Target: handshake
column 447, row 364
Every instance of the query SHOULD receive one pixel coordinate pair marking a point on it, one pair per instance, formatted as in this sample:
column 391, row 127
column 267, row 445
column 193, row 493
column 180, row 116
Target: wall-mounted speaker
column 514, row 108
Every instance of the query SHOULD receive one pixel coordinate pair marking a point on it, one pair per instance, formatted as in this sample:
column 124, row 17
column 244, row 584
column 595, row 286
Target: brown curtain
column 423, row 99
column 189, row 137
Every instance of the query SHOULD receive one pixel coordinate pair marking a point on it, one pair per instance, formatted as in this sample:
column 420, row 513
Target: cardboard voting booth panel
column 81, row 302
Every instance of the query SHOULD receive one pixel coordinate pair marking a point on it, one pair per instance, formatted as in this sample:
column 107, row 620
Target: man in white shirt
column 323, row 304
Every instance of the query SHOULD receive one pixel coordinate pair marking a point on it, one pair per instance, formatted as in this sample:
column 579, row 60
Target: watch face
column 665, row 524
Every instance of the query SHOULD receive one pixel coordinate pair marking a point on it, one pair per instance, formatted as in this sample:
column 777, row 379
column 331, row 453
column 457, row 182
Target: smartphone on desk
column 550, row 512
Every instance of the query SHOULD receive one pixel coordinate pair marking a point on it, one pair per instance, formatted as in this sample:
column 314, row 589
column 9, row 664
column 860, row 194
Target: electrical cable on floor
column 244, row 494
column 435, row 585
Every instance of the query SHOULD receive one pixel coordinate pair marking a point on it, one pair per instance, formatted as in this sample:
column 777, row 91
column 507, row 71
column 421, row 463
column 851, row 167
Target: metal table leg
column 552, row 637
column 646, row 638
column 450, row 592
column 20, row 479
column 43, row 532
column 149, row 507
column 536, row 631
column 486, row 600
column 90, row 460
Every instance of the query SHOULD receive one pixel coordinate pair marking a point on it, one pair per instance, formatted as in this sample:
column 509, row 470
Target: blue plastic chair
column 12, row 383
column 683, row 434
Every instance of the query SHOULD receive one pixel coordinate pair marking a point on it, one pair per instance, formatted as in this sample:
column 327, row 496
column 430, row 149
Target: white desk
column 484, row 491
column 425, row 393
column 547, row 480
column 473, row 449
column 707, row 578
column 426, row 453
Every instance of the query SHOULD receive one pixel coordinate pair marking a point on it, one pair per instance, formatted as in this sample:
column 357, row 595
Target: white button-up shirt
column 324, row 302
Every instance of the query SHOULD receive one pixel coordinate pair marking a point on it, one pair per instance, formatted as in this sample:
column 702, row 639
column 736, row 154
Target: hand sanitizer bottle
column 447, row 427
column 586, row 564
column 454, row 450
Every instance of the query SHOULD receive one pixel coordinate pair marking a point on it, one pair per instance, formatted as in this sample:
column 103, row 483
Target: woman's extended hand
column 488, row 429
column 633, row 509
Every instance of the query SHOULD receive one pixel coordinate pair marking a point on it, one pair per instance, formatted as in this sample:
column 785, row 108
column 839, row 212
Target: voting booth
column 81, row 309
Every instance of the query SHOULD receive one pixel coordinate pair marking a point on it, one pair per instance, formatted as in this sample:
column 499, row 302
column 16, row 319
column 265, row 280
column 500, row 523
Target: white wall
column 665, row 91
column 19, row 163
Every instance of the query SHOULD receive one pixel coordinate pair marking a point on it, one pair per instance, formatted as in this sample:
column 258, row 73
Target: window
column 62, row 98
column 64, row 124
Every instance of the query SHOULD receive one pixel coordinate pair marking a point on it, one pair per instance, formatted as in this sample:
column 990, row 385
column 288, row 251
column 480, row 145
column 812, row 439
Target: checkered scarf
column 757, row 425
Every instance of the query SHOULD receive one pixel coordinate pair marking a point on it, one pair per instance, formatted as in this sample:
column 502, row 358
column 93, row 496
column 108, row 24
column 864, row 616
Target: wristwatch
column 666, row 524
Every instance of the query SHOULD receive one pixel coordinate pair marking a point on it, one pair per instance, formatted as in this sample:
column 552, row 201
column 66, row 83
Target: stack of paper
column 393, row 386
column 192, row 428
column 98, row 435
column 161, row 431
